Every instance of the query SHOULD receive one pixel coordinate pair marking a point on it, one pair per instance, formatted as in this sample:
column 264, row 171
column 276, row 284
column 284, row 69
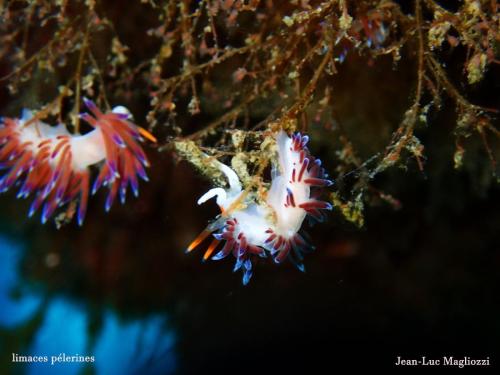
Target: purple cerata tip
column 89, row 104
column 81, row 215
column 109, row 202
column 238, row 264
column 118, row 140
column 123, row 116
column 135, row 187
column 45, row 213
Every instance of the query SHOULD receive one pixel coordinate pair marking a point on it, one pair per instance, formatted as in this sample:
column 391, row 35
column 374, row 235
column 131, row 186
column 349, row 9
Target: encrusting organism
column 255, row 226
column 54, row 165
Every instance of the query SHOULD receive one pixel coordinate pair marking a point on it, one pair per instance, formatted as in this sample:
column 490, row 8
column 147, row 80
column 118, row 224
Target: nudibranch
column 54, row 165
column 251, row 227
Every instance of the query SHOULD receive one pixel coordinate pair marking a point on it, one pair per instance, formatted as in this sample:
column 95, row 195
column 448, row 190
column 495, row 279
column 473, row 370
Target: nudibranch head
column 54, row 165
column 250, row 227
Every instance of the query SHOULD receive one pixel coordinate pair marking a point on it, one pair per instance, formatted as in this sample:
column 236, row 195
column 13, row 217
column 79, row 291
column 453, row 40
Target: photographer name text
column 448, row 361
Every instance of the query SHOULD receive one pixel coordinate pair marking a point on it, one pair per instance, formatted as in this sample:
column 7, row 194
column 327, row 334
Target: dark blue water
column 61, row 326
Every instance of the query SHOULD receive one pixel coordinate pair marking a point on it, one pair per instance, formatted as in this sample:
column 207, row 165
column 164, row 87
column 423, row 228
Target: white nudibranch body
column 250, row 228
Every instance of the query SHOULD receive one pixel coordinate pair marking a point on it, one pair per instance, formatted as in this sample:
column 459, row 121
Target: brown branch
column 306, row 97
column 78, row 78
column 418, row 15
column 42, row 50
column 102, row 92
column 232, row 114
column 440, row 75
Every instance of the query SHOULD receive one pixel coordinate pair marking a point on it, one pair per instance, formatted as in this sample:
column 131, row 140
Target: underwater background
column 419, row 281
column 420, row 277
